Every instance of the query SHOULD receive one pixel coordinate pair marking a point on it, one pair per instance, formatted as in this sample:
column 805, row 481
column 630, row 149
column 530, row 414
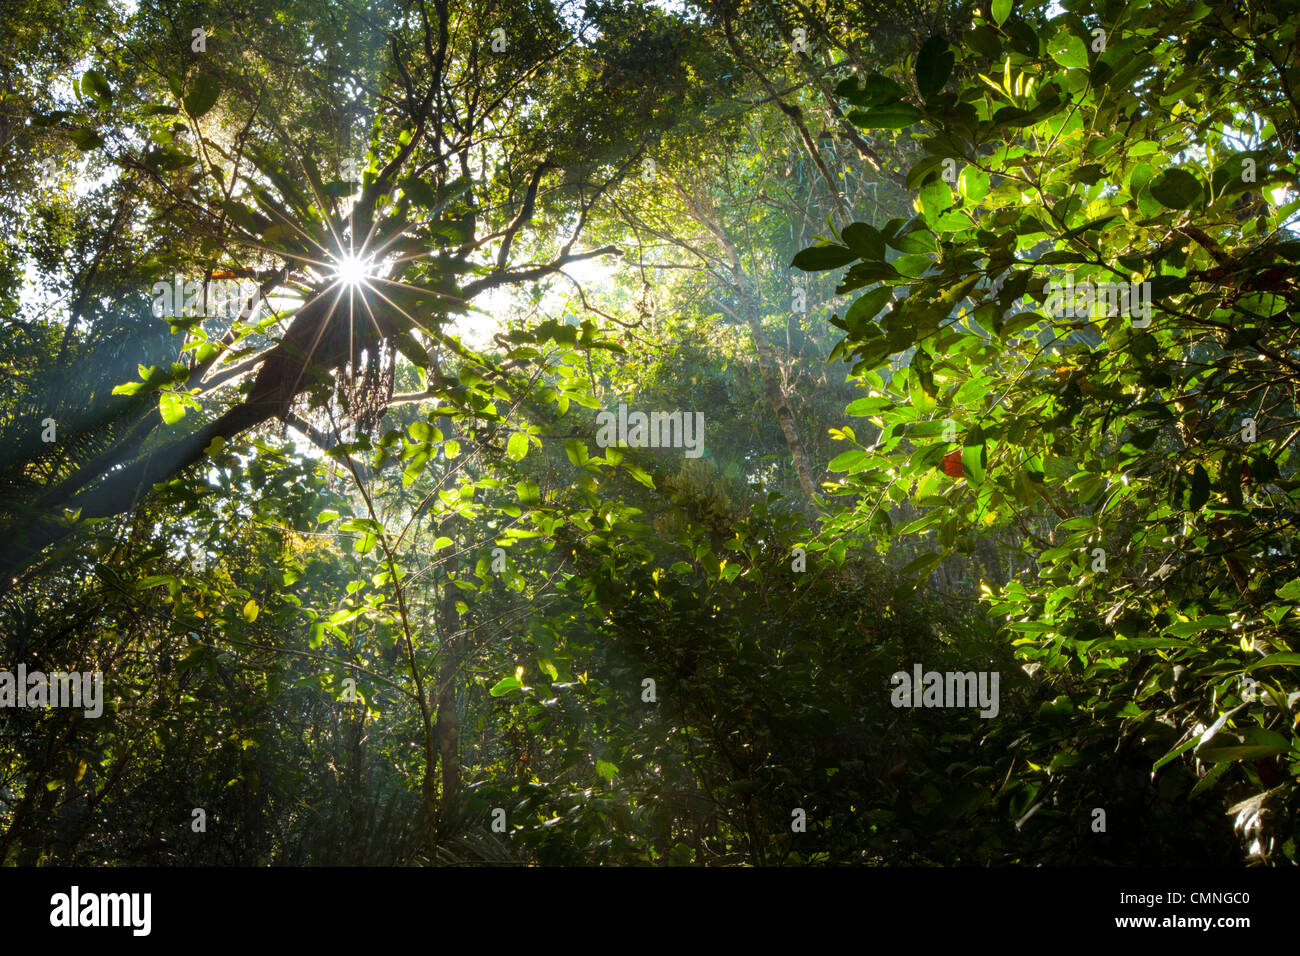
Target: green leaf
column 892, row 116
column 1216, row 622
column 922, row 564
column 1200, row 489
column 577, row 452
column 639, row 474
column 867, row 406
column 1139, row 644
column 415, row 467
column 865, row 240
column 846, row 460
column 250, row 611
column 974, row 456
column 821, row 258
column 984, row 42
column 1290, row 591
column 154, row 580
column 1243, row 751
column 1086, row 227
column 529, row 494
column 918, row 241
column 505, row 686
column 85, row 139
column 1178, row 751
column 865, row 308
column 1287, row 659
column 170, row 407
column 933, row 65
column 1069, row 51
column 1176, row 188
column 1209, row 780
column 1001, row 10
column 95, row 85
column 420, row 192
column 171, row 160
column 921, row 170
column 517, row 447
column 865, row 273
column 922, row 364
column 973, row 183
column 202, row 96
column 606, row 769
column 936, row 200
column 876, row 89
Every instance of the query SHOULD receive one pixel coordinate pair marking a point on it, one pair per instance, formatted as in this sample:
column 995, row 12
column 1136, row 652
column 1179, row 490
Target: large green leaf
column 865, row 308
column 202, row 96
column 865, row 240
column 892, row 116
column 821, row 258
column 505, row 686
column 529, row 493
column 974, row 455
column 1290, row 591
column 933, row 65
column 1176, row 188
column 97, row 86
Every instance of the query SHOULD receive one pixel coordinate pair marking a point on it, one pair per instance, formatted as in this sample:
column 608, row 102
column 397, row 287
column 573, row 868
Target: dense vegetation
column 992, row 315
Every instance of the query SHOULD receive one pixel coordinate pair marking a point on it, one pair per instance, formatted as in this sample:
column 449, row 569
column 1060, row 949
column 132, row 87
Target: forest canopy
column 713, row 432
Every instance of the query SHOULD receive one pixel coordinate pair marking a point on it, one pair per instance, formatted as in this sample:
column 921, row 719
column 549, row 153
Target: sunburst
column 353, row 270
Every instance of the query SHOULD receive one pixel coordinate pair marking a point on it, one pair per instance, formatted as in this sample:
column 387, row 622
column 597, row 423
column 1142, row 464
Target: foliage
column 1145, row 459
column 365, row 583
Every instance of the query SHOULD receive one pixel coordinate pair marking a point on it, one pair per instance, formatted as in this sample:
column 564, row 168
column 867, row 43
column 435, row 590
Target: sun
column 352, row 270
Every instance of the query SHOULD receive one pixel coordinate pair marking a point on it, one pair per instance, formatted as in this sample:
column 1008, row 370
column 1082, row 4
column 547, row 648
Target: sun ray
column 412, row 319
column 311, row 351
column 296, row 256
column 296, row 228
column 326, row 211
column 415, row 288
column 433, row 336
column 370, row 313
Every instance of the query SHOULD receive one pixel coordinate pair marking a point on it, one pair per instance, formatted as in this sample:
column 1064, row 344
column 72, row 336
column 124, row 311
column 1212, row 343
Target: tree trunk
column 448, row 725
column 753, row 317
column 775, row 393
column 311, row 339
